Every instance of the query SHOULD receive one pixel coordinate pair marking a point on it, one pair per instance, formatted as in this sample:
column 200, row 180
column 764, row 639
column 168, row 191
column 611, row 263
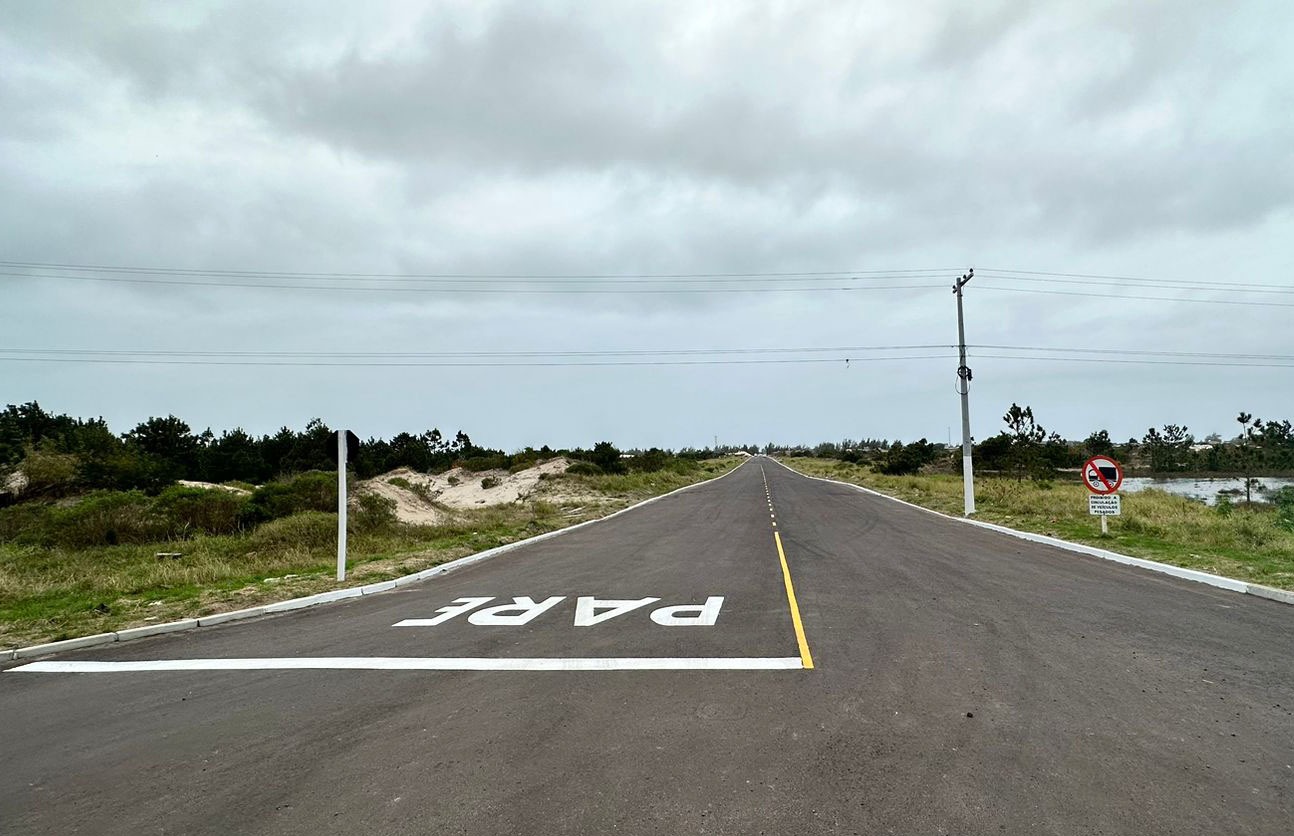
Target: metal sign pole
column 341, row 505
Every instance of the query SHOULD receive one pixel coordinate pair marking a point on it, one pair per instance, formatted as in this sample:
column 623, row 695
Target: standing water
column 1207, row 489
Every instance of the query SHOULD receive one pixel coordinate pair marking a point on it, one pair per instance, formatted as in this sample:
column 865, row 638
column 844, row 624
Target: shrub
column 49, row 473
column 490, row 482
column 419, row 489
column 476, row 464
column 308, row 530
column 106, row 518
column 311, row 491
column 210, row 511
column 373, row 512
column 901, row 460
column 584, row 469
column 606, row 456
column 1283, row 499
column 653, row 460
column 25, row 522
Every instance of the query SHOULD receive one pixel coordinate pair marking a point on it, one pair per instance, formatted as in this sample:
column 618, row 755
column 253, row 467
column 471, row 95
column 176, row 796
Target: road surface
column 962, row 682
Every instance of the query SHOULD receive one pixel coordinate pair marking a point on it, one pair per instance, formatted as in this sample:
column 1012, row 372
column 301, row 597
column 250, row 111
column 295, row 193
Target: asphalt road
column 962, row 682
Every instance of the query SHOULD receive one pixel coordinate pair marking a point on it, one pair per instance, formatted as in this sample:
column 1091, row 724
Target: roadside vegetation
column 1253, row 543
column 97, row 533
column 1028, row 479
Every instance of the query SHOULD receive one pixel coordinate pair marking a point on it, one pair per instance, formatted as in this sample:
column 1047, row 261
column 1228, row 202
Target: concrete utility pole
column 963, row 388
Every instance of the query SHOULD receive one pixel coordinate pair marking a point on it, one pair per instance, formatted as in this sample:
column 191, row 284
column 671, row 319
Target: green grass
column 1246, row 543
column 51, row 591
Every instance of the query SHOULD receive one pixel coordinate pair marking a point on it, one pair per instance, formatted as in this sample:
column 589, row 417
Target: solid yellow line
column 806, row 658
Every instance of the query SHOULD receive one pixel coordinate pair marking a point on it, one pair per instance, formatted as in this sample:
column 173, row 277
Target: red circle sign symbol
column 1102, row 475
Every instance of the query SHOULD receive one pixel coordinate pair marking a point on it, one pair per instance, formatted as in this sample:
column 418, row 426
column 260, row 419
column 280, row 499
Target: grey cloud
column 524, row 138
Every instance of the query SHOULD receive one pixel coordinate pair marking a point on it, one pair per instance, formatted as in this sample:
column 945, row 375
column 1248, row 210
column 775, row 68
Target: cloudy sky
column 345, row 183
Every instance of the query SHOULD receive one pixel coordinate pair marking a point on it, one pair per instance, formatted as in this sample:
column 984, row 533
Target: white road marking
column 589, row 611
column 414, row 663
column 690, row 615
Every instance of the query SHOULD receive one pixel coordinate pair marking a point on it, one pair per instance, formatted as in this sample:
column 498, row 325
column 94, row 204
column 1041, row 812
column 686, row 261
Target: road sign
column 1102, row 475
column 1104, row 505
column 352, row 447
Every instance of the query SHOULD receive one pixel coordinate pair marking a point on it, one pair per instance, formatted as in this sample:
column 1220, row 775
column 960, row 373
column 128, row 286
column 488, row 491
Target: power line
column 644, row 357
column 510, row 291
column 1142, row 298
column 635, row 352
column 1143, row 362
column 1151, row 284
column 468, row 365
column 484, row 354
column 460, row 276
column 1129, row 351
column 1122, row 278
column 652, row 290
column 838, row 349
column 823, row 275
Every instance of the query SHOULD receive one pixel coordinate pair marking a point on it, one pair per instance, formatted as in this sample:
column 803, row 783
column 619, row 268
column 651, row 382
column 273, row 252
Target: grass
column 51, row 592
column 1243, row 543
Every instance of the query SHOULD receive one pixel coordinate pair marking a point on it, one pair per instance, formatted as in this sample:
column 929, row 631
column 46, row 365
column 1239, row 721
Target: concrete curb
column 68, row 644
column 327, row 597
column 1232, row 584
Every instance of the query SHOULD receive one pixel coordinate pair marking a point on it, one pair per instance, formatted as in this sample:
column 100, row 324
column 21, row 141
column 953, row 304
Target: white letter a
column 586, row 609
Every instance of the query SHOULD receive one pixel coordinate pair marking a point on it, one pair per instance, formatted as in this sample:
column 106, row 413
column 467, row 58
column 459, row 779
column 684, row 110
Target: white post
column 1105, row 527
column 341, row 505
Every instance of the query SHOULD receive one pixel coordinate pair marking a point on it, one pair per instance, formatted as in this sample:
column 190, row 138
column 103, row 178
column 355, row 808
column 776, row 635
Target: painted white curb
column 156, row 629
column 1232, row 584
column 68, row 644
column 335, row 595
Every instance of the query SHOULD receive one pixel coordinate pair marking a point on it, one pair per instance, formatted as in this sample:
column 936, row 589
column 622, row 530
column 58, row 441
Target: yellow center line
column 806, row 658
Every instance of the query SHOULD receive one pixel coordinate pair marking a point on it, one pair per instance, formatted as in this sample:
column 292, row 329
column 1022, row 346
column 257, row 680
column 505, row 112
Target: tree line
column 1025, row 448
column 63, row 454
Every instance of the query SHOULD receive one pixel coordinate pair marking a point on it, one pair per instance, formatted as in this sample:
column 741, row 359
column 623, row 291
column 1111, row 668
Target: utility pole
column 963, row 389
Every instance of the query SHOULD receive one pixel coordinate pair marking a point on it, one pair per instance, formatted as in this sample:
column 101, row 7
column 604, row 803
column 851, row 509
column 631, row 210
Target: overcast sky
column 1146, row 139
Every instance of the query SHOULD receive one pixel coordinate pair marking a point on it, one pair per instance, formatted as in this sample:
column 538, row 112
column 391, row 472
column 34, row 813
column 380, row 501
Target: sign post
column 341, row 505
column 347, row 446
column 1103, row 475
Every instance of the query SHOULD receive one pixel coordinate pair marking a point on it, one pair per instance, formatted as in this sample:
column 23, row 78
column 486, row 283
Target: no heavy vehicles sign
column 1102, row 475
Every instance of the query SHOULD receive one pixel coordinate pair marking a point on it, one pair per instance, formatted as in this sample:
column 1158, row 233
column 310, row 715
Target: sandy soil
column 189, row 483
column 430, row 495
column 15, row 483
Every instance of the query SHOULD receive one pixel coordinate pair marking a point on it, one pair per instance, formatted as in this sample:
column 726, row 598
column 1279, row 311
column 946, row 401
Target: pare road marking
column 589, row 611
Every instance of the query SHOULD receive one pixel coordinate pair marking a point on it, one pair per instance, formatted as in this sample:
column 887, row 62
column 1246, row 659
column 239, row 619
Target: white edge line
column 1231, row 584
column 327, row 597
column 413, row 663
